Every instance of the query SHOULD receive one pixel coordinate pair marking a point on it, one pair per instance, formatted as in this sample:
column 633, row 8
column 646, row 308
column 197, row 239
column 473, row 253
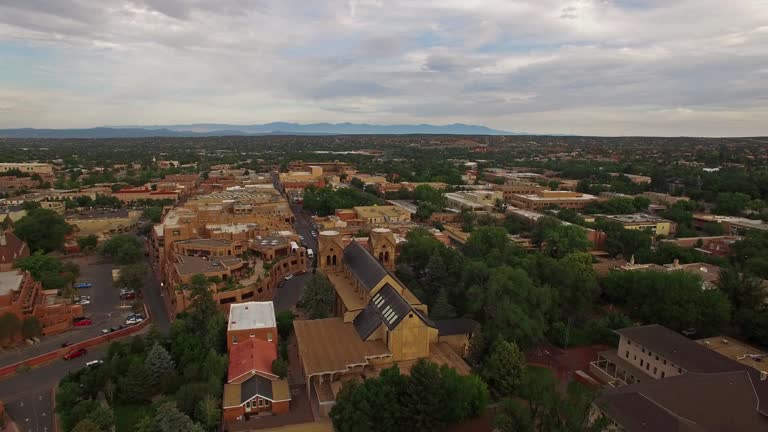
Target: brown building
column 22, row 296
column 144, row 193
column 377, row 322
column 12, row 249
column 524, row 188
column 13, row 182
column 545, row 198
column 334, row 168
column 717, row 245
column 658, row 380
column 252, row 388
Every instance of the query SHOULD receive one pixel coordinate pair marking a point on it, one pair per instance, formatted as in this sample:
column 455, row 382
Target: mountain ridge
column 274, row 128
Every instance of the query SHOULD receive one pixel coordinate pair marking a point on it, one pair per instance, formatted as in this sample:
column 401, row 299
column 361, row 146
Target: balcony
column 613, row 370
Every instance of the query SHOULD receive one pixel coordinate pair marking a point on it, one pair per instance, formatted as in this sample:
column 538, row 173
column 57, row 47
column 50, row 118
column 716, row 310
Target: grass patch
column 127, row 416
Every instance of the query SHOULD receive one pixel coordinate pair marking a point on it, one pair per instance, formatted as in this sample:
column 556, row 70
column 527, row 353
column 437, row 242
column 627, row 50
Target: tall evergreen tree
column 159, row 362
column 441, row 309
column 424, row 396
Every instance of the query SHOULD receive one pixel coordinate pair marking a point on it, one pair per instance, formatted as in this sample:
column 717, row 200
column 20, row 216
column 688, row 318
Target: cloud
column 573, row 66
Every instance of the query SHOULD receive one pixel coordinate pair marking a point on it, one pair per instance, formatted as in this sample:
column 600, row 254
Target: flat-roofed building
column 42, row 169
column 546, row 198
column 645, row 222
column 102, row 223
column 376, row 215
column 732, row 225
column 24, row 297
column 476, row 201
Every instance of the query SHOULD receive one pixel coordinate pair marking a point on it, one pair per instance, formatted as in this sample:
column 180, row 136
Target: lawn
column 126, row 416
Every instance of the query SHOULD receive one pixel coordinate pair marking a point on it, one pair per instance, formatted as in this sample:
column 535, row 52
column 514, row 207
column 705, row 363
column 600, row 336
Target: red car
column 75, row 353
column 83, row 322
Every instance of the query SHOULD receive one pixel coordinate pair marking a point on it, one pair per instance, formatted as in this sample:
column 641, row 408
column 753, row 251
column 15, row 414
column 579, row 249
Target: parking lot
column 105, row 310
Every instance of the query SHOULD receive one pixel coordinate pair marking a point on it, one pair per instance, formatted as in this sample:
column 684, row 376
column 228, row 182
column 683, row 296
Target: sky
column 591, row 67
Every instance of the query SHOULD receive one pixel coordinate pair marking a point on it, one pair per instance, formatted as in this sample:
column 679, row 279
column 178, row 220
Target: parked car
column 94, row 363
column 281, row 284
column 83, row 322
column 75, row 353
column 289, row 276
column 130, row 295
column 82, row 301
column 80, row 285
column 104, row 331
column 134, row 319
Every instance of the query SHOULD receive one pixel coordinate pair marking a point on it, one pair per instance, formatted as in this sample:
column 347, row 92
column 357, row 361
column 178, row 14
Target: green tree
column 734, row 203
column 565, row 239
column 280, row 367
column 514, row 418
column 512, row 306
column 318, row 297
column 123, row 248
column 169, row 419
column 441, row 309
column 137, row 385
column 153, row 213
column 201, row 299
column 87, row 425
column 209, row 412
column 577, row 282
column 42, row 229
column 422, row 400
column 505, row 369
column 159, row 362
column 10, row 325
column 284, row 323
column 132, row 276
column 88, row 243
column 31, row 327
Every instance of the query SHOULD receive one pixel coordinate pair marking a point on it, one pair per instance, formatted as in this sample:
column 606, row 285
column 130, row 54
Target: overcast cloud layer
column 604, row 67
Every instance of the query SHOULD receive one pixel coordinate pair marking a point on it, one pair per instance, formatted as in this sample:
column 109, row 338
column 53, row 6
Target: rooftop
column 251, row 315
column 207, row 242
column 187, row 265
column 636, row 218
column 99, row 214
column 735, row 350
column 363, row 265
column 554, row 196
column 269, row 241
column 320, row 353
column 10, row 281
column 251, row 355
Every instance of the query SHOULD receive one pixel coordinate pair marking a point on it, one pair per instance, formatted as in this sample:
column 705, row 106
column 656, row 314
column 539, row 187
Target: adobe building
column 12, row 249
column 547, row 198
column 659, row 380
column 252, row 389
column 103, row 223
column 377, row 321
column 145, row 193
column 42, row 169
column 22, row 296
column 644, row 222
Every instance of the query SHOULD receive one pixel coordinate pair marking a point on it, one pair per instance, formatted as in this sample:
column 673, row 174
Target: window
column 261, row 403
column 642, row 362
column 663, row 374
column 665, row 362
column 643, row 350
column 647, row 366
column 657, row 358
column 253, row 334
column 269, row 337
column 627, row 354
column 234, row 339
column 679, row 370
column 654, row 370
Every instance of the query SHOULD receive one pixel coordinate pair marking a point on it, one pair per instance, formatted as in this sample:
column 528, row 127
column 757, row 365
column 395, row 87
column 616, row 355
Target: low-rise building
column 658, row 380
column 145, row 193
column 42, row 169
column 103, row 223
column 732, row 225
column 714, row 245
column 252, row 387
column 376, row 215
column 476, row 201
column 545, row 198
column 24, row 297
column 642, row 221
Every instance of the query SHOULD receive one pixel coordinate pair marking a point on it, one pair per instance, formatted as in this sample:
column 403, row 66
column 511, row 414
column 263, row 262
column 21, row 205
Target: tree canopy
column 42, row 229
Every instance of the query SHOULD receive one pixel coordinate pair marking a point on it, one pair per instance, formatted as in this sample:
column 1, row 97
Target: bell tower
column 382, row 244
column 330, row 250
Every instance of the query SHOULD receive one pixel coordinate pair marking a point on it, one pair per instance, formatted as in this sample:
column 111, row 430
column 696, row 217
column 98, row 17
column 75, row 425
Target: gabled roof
column 256, row 385
column 363, row 265
column 251, row 355
column 678, row 349
column 387, row 307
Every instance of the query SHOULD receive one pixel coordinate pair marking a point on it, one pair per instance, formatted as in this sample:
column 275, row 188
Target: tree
column 159, row 362
column 132, row 276
column 46, row 269
column 123, row 248
column 728, row 203
column 31, row 327
column 86, row 425
column 280, row 367
column 153, row 213
column 744, row 290
column 10, row 325
column 577, row 282
column 514, row 418
column 565, row 239
column 317, row 299
column 505, row 368
column 512, row 306
column 284, row 323
column 169, row 419
column 209, row 412
column 201, row 299
column 423, row 397
column 42, row 229
column 441, row 309
column 137, row 385
column 88, row 242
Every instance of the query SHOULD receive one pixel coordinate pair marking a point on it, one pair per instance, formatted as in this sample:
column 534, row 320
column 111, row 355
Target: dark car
column 75, row 353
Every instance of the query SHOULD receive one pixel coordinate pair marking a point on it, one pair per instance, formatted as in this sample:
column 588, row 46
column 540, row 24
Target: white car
column 94, row 363
column 133, row 319
column 82, row 302
column 289, row 276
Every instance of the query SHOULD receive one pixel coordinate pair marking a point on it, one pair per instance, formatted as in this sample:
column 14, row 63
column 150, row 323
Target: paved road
column 153, row 299
column 106, row 310
column 27, row 396
column 289, row 294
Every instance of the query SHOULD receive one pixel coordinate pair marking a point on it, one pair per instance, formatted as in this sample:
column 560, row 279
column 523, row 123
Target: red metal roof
column 251, row 355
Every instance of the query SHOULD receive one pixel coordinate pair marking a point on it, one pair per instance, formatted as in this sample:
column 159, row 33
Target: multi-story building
column 645, row 222
column 13, row 182
column 546, row 198
column 22, row 296
column 42, row 169
column 334, row 168
column 12, row 249
column 252, row 388
column 731, row 225
column 103, row 223
column 377, row 321
column 477, row 200
column 658, row 380
column 715, row 245
column 377, row 215
column 517, row 188
column 145, row 193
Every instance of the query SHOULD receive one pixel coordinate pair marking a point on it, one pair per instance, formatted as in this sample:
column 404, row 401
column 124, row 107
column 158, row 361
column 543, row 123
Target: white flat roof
column 10, row 281
column 251, row 315
column 534, row 197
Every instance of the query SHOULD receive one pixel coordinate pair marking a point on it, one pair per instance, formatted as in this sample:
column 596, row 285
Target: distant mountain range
column 277, row 128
